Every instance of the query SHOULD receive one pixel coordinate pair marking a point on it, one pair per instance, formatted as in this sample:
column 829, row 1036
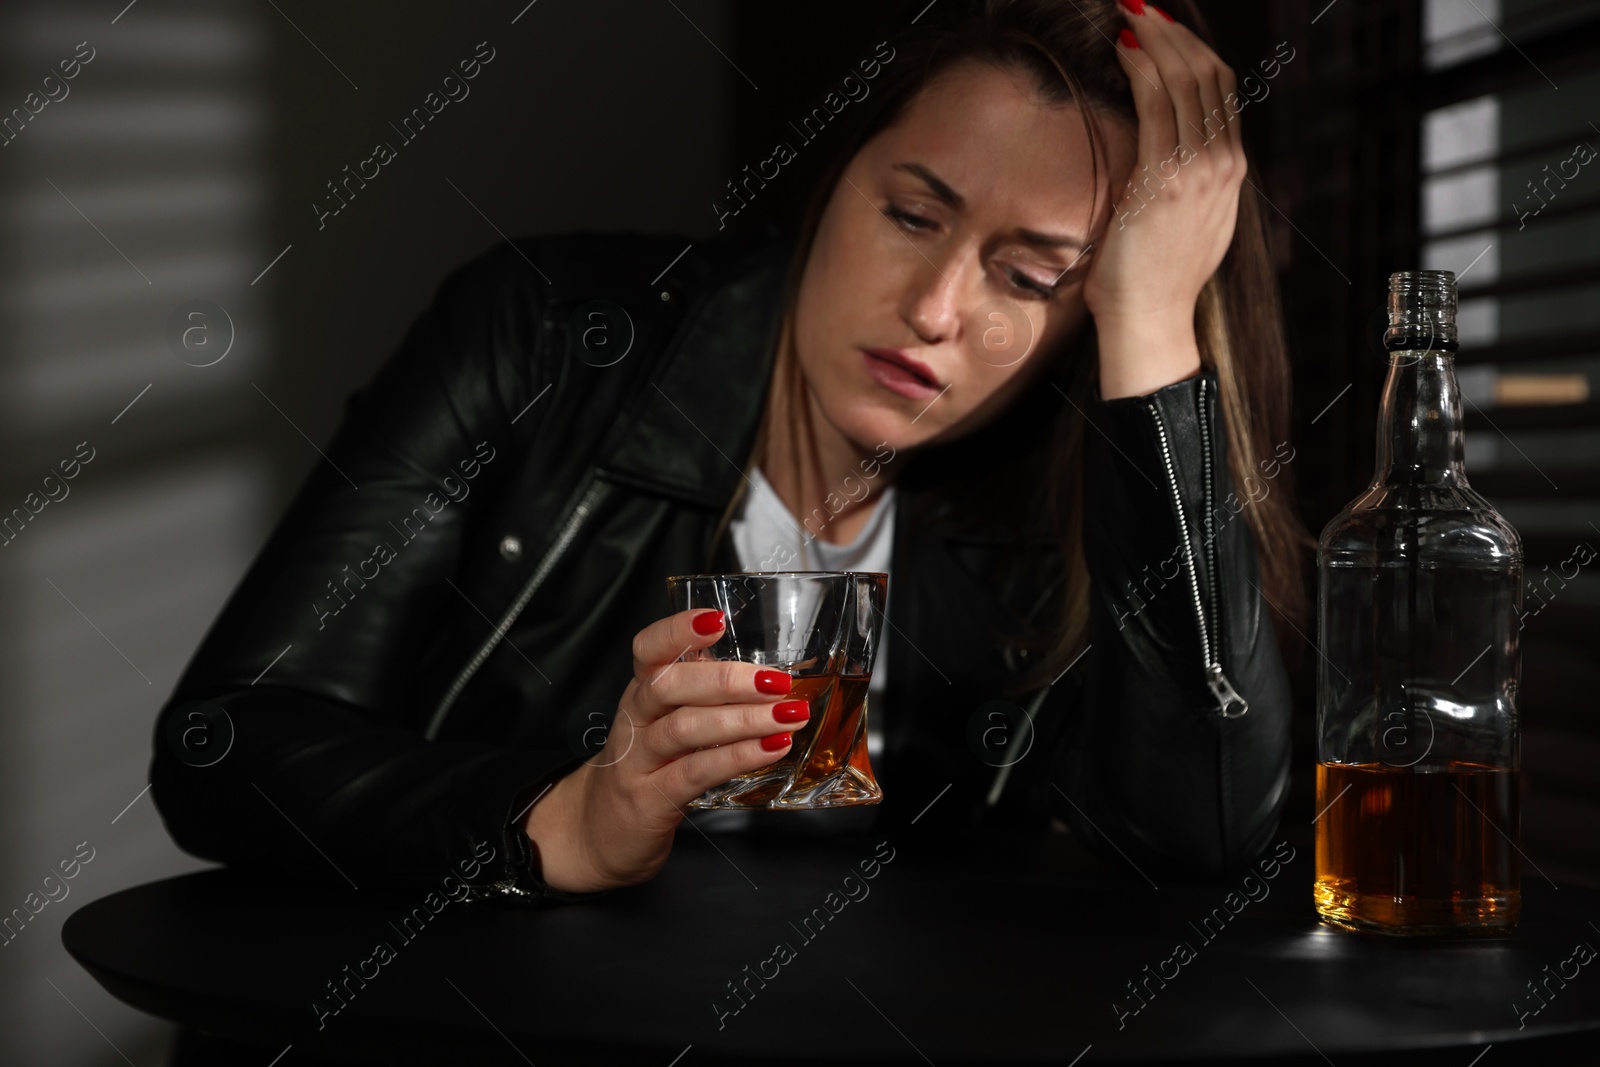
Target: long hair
column 1028, row 472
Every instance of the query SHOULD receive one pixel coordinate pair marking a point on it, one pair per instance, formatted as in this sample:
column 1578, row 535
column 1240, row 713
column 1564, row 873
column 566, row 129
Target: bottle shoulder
column 1422, row 521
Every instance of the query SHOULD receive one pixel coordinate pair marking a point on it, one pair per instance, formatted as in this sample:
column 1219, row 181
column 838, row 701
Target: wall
column 174, row 167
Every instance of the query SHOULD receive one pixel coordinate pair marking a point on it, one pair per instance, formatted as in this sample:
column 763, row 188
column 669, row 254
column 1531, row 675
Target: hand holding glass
column 823, row 627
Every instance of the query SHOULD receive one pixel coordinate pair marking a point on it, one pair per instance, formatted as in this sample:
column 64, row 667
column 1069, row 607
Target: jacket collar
column 694, row 421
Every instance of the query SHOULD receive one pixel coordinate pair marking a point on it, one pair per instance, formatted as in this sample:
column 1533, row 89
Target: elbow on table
column 1179, row 854
column 1182, row 838
column 189, row 786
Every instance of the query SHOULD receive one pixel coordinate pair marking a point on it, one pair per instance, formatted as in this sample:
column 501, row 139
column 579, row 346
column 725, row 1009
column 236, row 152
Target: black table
column 1017, row 949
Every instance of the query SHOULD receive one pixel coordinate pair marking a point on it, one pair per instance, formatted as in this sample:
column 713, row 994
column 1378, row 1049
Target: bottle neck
column 1419, row 421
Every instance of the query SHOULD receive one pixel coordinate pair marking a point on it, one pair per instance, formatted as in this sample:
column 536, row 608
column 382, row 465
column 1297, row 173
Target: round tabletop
column 891, row 948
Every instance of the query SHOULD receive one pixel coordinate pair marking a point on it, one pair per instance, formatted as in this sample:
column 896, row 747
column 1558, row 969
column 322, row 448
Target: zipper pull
column 1224, row 693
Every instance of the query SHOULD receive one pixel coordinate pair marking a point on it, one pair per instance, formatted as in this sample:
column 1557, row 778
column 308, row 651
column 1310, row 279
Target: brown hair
column 1029, row 470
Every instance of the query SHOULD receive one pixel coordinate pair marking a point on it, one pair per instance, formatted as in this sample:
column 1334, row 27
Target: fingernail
column 1134, row 6
column 773, row 682
column 791, row 710
column 708, row 622
column 776, row 741
column 1162, row 13
column 1126, row 38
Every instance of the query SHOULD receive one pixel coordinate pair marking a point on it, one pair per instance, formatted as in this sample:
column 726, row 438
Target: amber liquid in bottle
column 1422, row 852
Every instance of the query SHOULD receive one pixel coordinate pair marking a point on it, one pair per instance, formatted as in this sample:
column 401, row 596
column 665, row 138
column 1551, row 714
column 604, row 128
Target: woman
column 987, row 355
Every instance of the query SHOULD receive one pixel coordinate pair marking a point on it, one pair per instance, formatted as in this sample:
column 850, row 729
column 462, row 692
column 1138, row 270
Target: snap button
column 510, row 546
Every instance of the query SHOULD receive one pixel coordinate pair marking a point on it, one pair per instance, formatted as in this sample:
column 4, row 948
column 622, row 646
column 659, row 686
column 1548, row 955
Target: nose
column 929, row 304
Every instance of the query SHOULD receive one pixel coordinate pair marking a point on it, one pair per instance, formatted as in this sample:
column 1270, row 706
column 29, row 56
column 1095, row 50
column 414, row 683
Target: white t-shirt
column 767, row 537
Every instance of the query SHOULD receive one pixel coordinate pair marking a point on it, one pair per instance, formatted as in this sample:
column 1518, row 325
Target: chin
column 872, row 419
column 875, row 428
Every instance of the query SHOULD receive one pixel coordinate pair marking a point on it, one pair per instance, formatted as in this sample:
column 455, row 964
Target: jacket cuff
column 521, row 880
column 1135, row 468
column 1178, row 398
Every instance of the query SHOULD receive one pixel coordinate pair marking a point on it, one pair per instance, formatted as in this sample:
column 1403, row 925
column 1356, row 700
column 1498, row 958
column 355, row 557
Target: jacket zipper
column 1222, row 691
column 546, row 564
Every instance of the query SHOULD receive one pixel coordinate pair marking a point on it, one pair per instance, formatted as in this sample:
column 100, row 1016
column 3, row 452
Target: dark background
column 191, row 148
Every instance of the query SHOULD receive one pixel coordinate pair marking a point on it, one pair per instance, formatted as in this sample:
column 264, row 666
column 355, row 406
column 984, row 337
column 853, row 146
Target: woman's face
column 955, row 240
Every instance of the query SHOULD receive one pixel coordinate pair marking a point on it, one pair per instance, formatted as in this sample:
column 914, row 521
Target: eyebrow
column 942, row 190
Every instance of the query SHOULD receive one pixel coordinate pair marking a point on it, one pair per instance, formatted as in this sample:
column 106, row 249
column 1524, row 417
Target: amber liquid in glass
column 1418, row 852
column 825, row 747
column 817, row 691
column 833, row 737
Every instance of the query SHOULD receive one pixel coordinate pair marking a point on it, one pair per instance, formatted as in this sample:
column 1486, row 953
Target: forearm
column 313, row 787
column 1144, row 353
column 1170, row 774
column 553, row 826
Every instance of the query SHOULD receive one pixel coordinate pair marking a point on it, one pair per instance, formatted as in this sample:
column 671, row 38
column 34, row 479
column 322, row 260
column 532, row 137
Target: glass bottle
column 1419, row 593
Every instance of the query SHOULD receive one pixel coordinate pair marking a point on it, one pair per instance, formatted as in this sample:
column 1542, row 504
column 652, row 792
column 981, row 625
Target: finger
column 707, row 682
column 1228, row 84
column 667, row 639
column 1215, row 119
column 686, row 730
column 1157, row 39
column 684, row 779
column 1216, row 131
column 1158, row 131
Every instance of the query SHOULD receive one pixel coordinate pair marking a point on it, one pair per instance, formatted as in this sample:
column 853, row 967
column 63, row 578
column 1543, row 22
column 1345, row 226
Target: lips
column 897, row 371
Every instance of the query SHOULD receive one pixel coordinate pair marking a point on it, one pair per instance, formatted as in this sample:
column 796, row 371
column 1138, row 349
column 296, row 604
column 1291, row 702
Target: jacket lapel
column 690, row 426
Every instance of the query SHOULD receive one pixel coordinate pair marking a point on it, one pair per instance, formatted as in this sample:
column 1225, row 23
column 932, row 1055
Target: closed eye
column 1019, row 280
column 907, row 219
column 1028, row 284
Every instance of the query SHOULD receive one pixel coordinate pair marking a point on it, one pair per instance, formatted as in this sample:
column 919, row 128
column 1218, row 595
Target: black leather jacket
column 422, row 643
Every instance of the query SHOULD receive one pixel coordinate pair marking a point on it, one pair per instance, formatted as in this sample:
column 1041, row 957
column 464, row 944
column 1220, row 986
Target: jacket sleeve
column 284, row 746
column 1151, row 768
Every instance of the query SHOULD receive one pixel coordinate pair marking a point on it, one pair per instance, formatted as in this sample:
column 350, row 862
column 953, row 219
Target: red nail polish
column 776, row 741
column 707, row 623
column 773, row 682
column 1162, row 13
column 1126, row 38
column 1135, row 6
column 792, row 710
